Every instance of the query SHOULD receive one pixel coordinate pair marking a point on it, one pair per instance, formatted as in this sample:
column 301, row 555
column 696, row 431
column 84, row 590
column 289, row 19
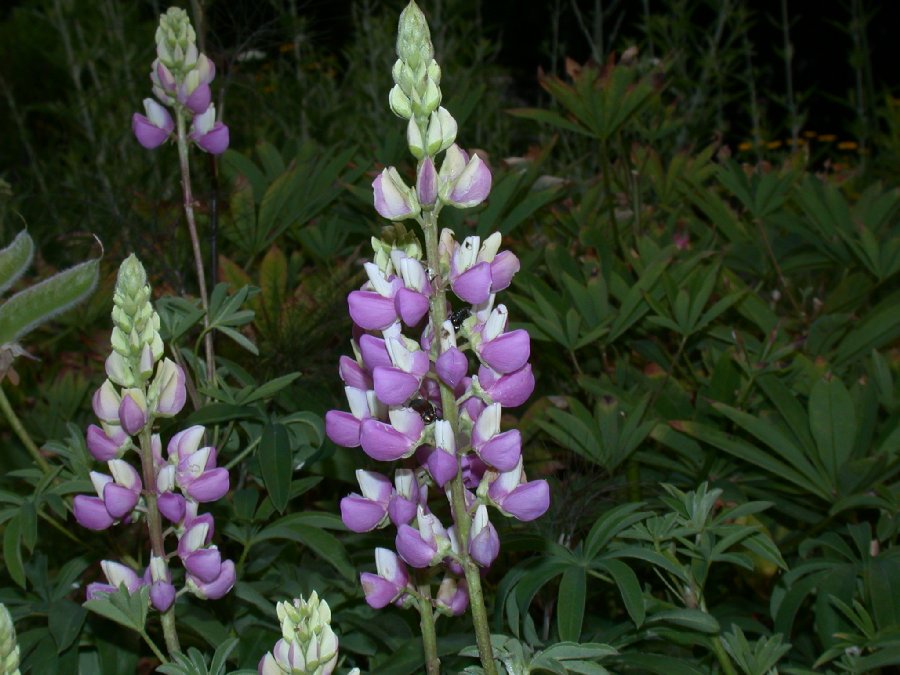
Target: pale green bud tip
column 9, row 650
column 132, row 277
column 413, row 37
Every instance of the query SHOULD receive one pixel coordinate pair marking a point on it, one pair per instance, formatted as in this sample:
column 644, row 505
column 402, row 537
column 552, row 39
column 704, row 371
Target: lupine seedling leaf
column 15, row 259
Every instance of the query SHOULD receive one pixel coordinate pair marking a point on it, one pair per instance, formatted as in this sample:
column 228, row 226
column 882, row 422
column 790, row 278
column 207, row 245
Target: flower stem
column 438, row 314
column 22, row 432
column 154, row 525
column 429, row 636
column 195, row 242
column 153, row 647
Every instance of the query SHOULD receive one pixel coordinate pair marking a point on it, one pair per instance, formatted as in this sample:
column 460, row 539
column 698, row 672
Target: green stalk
column 438, row 314
column 22, row 432
column 184, row 161
column 429, row 635
column 154, row 525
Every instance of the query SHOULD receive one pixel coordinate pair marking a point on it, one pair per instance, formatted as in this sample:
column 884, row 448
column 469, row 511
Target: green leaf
column 832, row 420
column 126, row 609
column 564, row 651
column 325, row 545
column 38, row 304
column 65, row 621
column 693, row 619
column 570, row 606
column 276, row 463
column 629, row 588
column 12, row 550
column 15, row 259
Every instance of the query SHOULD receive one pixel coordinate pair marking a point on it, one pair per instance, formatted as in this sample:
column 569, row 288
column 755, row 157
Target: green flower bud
column 399, row 102
column 413, row 37
column 9, row 650
column 135, row 324
column 176, row 41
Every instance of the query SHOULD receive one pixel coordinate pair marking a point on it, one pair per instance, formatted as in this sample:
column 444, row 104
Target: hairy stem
column 195, row 241
column 438, row 314
column 429, row 635
column 16, row 424
column 154, row 525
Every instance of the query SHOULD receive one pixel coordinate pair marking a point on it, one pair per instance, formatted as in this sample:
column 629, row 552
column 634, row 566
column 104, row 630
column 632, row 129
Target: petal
column 218, row 588
column 101, row 446
column 371, row 311
column 354, row 375
column 442, row 466
column 90, row 512
column 412, row 548
column 513, row 389
column 162, row 595
column 211, row 486
column 360, row 514
column 401, row 510
column 379, row 592
column 106, row 401
column 383, row 442
column 393, row 386
column 185, row 442
column 485, row 546
column 199, row 99
column 374, row 486
column 473, row 285
column 172, row 506
column 503, row 450
column 508, row 352
column 503, row 267
column 528, row 501
column 132, row 416
column 452, row 366
column 427, row 182
column 215, row 141
column 407, row 421
column 473, row 185
column 147, row 134
column 119, row 500
column 411, row 306
column 342, row 428
column 172, row 395
column 374, row 352
column 205, row 564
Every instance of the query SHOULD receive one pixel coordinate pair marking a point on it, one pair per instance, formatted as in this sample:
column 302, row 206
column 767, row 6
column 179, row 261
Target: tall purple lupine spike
column 433, row 394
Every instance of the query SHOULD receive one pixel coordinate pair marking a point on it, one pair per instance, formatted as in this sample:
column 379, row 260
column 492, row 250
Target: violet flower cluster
column 142, row 387
column 401, row 360
column 181, row 76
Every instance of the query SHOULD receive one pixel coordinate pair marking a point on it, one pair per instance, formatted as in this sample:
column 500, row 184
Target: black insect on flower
column 459, row 316
column 425, row 409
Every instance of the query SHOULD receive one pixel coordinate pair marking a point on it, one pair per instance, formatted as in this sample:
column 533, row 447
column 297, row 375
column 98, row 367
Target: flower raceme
column 181, row 78
column 142, row 386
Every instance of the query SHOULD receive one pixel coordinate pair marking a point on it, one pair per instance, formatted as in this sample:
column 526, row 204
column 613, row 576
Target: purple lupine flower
column 405, row 497
column 510, row 390
column 427, row 183
column 107, row 442
column 117, row 575
column 394, row 200
column 133, row 411
column 500, row 450
column 368, row 511
column 208, row 134
column 521, row 499
column 171, row 394
column 154, row 128
column 389, row 584
column 389, row 442
column 424, row 546
column 216, row 588
column 484, row 544
column 452, row 596
column 472, row 186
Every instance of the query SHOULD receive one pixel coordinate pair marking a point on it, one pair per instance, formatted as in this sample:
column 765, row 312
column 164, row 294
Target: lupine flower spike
column 431, row 376
column 181, row 77
column 142, row 386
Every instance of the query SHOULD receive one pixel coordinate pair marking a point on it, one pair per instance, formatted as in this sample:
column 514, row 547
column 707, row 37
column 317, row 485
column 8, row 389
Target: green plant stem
column 22, row 432
column 184, row 162
column 438, row 314
column 153, row 647
column 154, row 525
column 429, row 635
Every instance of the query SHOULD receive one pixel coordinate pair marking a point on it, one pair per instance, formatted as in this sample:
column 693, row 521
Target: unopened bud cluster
column 181, row 76
column 308, row 645
column 9, row 648
column 141, row 387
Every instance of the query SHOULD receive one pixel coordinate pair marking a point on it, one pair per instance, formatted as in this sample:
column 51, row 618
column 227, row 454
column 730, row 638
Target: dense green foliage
column 715, row 334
